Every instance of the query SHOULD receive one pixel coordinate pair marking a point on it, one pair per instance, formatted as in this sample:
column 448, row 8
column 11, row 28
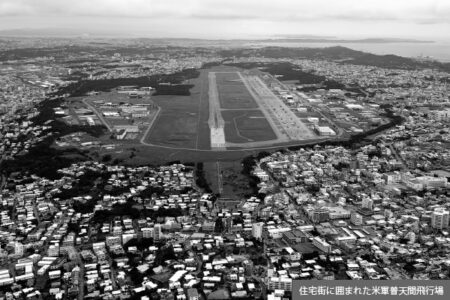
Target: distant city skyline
column 220, row 19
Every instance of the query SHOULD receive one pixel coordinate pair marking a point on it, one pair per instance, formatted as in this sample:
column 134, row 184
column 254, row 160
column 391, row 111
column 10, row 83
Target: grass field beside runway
column 232, row 92
column 183, row 120
column 242, row 126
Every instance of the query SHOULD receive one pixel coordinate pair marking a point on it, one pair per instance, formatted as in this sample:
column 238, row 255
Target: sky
column 227, row 19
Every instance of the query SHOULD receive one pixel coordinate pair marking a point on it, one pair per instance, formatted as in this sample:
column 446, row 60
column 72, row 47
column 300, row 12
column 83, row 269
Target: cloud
column 214, row 16
column 233, row 17
column 270, row 10
column 14, row 8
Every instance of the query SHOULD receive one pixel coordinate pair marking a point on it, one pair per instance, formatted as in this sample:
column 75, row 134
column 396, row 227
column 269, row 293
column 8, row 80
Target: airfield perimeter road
column 99, row 115
column 150, row 125
column 144, row 136
column 219, row 178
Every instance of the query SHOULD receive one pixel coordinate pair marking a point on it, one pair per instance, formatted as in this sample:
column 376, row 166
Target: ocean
column 437, row 50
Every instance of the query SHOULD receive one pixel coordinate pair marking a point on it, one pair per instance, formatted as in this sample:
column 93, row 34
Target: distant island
column 332, row 40
column 74, row 32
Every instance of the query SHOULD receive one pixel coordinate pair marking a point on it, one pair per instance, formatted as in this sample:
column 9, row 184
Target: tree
column 140, row 244
column 136, row 276
column 218, row 228
column 201, row 179
column 163, row 254
column 106, row 158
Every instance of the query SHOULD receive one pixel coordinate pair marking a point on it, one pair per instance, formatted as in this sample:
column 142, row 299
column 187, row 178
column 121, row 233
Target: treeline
column 173, row 89
column 213, row 64
column 66, row 51
column 331, row 53
column 248, row 164
column 127, row 210
column 90, row 183
column 82, row 61
column 113, row 66
column 46, row 113
column 83, row 87
column 59, row 52
column 290, row 72
column 44, row 160
column 287, row 71
column 135, row 50
column 200, row 179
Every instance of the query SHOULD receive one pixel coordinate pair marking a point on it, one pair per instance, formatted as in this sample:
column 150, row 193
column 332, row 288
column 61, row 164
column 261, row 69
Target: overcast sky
column 423, row 19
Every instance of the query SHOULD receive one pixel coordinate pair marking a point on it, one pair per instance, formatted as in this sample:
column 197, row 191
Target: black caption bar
column 369, row 289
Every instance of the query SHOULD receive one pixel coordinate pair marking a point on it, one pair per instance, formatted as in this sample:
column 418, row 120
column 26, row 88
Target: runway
column 215, row 121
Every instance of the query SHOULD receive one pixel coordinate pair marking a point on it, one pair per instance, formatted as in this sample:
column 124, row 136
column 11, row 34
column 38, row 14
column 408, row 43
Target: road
column 219, row 178
column 36, row 212
column 144, row 136
column 80, row 277
column 339, row 132
column 147, row 131
column 99, row 115
column 255, row 146
column 397, row 155
column 3, row 180
column 113, row 275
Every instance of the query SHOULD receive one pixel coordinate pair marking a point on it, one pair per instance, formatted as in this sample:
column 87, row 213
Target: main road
column 147, row 131
column 3, row 179
column 99, row 115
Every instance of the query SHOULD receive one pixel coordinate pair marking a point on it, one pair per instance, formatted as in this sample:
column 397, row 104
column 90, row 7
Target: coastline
column 439, row 50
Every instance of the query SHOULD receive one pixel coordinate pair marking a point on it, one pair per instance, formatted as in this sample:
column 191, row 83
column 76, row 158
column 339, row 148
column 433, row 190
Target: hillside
column 341, row 54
